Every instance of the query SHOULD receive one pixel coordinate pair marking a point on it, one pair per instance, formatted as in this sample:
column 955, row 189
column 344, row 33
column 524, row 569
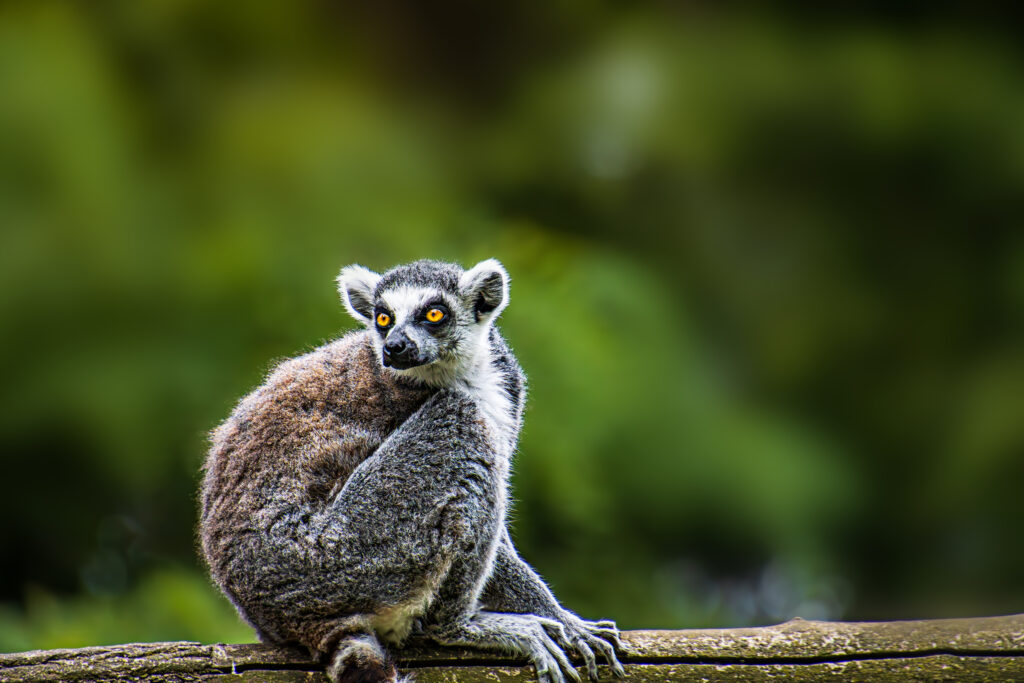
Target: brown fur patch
column 294, row 441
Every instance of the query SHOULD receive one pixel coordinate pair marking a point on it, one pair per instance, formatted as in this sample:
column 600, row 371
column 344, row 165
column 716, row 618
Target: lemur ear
column 485, row 285
column 356, row 285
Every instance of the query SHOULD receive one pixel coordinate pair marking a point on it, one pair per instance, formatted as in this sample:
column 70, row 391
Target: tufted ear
column 485, row 286
column 356, row 285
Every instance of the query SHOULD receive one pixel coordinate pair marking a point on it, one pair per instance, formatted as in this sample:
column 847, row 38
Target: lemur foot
column 546, row 652
column 523, row 634
column 584, row 637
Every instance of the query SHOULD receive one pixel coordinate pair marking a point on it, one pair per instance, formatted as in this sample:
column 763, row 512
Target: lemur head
column 430, row 319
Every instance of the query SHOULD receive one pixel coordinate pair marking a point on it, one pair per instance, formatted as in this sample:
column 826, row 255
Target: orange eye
column 383, row 319
column 435, row 315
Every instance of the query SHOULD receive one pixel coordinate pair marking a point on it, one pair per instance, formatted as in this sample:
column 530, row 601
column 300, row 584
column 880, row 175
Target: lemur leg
column 515, row 587
column 380, row 545
column 443, row 454
column 419, row 523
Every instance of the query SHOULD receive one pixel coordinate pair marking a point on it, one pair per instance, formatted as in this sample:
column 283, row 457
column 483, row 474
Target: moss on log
column 986, row 649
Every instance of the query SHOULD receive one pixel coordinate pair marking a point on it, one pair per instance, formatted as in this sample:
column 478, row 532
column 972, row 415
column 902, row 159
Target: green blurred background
column 768, row 285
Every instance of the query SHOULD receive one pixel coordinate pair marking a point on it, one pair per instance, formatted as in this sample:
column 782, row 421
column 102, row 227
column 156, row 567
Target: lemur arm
column 515, row 587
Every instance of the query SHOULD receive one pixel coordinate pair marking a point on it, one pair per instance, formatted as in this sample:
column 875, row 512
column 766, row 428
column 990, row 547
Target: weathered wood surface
column 986, row 649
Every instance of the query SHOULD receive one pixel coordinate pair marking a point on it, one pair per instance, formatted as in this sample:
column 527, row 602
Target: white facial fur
column 457, row 349
column 405, row 302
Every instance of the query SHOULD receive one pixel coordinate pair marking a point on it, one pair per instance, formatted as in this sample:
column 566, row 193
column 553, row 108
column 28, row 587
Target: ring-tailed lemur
column 362, row 489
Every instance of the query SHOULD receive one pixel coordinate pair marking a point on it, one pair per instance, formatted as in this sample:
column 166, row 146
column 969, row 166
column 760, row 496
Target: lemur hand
column 584, row 637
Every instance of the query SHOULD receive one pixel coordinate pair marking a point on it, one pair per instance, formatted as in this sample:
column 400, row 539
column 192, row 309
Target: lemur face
column 416, row 325
column 429, row 318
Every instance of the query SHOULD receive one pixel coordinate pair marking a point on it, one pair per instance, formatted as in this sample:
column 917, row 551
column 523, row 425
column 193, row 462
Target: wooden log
column 985, row 649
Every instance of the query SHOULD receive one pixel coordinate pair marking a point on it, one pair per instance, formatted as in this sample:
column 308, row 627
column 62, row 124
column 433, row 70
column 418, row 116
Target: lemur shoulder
column 362, row 489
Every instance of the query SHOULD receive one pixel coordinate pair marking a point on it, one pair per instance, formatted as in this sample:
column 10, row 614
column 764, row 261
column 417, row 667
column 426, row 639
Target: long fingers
column 603, row 636
column 581, row 647
column 554, row 651
column 573, row 643
column 608, row 653
column 559, row 655
column 610, row 634
column 547, row 667
column 556, row 629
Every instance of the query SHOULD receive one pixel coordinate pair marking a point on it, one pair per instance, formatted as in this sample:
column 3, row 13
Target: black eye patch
column 434, row 314
column 383, row 319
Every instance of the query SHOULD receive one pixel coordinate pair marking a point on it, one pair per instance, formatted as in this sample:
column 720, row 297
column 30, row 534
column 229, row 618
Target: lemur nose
column 397, row 346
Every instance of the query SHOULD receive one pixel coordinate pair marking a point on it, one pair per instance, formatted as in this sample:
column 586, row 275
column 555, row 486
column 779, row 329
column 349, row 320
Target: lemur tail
column 360, row 658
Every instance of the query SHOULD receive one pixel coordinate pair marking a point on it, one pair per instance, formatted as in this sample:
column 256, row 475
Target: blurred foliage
column 768, row 285
column 167, row 604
